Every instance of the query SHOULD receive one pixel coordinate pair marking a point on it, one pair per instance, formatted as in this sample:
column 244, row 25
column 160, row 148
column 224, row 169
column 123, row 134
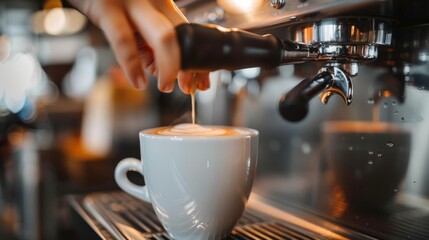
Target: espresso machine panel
column 353, row 167
column 361, row 165
column 260, row 14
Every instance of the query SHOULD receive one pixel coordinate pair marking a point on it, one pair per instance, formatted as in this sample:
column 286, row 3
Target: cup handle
column 131, row 164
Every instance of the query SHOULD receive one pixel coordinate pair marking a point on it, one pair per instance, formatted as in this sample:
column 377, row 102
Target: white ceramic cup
column 197, row 185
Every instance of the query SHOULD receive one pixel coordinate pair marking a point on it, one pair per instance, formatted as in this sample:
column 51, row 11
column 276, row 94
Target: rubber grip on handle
column 210, row 47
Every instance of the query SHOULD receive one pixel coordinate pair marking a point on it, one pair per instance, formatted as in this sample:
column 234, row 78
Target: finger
column 152, row 69
column 184, row 80
column 160, row 35
column 169, row 9
column 122, row 40
column 146, row 54
column 187, row 79
column 205, row 80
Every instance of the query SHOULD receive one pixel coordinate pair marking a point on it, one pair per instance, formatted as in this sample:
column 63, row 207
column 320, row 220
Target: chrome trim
column 341, row 84
column 264, row 16
column 348, row 53
column 343, row 30
column 277, row 4
column 344, row 39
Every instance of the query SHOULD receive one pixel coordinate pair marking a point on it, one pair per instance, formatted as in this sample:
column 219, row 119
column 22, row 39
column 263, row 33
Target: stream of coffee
column 193, row 90
column 193, row 107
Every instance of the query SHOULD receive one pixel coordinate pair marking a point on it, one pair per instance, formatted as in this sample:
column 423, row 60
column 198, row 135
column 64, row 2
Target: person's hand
column 142, row 36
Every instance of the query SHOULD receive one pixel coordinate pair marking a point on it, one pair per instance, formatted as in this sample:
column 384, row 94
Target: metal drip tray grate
column 396, row 222
column 410, row 223
column 126, row 217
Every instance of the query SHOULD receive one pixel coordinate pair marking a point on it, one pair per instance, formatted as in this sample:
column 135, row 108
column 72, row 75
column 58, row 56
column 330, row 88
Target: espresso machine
column 367, row 60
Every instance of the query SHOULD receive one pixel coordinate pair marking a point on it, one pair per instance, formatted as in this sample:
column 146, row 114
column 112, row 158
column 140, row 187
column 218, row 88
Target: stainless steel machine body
column 374, row 52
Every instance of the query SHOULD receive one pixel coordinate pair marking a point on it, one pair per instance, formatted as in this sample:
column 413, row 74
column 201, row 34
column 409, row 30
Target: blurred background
column 68, row 115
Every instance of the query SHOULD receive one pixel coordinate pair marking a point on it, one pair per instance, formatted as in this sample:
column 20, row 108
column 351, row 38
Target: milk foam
column 188, row 129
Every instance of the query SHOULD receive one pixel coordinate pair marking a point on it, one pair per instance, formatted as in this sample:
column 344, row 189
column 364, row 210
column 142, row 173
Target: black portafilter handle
column 210, row 47
column 293, row 106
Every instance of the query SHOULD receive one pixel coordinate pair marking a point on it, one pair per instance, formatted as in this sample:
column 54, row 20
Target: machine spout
column 293, row 106
column 341, row 84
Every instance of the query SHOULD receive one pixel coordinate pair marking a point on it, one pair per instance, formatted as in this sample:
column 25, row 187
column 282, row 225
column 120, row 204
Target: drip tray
column 117, row 215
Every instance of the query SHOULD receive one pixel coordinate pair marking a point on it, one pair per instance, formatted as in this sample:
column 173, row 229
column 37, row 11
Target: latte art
column 188, row 129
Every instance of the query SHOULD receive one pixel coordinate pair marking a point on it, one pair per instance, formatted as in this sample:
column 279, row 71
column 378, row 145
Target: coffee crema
column 188, row 129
